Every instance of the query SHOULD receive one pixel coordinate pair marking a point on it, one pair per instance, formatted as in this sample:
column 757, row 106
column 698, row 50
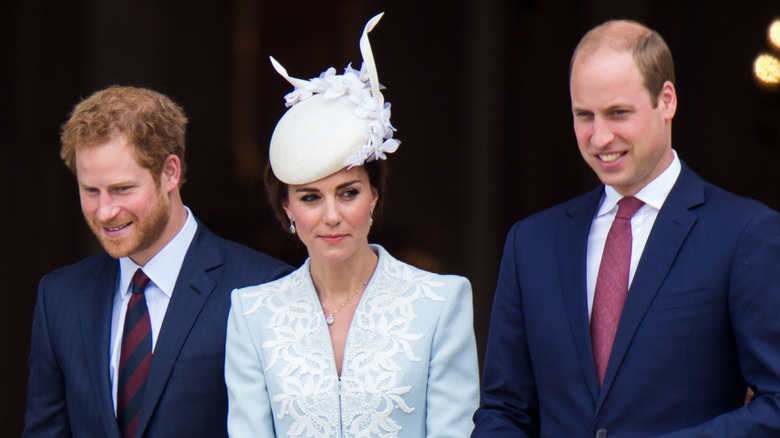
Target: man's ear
column 171, row 173
column 668, row 100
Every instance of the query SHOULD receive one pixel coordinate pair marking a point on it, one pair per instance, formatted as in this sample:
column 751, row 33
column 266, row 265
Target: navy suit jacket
column 69, row 390
column 701, row 322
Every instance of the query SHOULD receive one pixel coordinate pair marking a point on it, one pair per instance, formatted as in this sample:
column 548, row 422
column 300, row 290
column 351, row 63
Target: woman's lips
column 333, row 238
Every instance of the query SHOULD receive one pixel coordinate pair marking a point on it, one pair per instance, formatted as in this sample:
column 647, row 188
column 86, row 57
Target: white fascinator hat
column 333, row 121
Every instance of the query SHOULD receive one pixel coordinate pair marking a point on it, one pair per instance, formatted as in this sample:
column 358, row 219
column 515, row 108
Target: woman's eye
column 309, row 198
column 350, row 193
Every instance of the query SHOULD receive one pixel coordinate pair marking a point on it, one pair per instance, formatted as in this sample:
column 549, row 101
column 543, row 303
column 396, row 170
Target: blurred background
column 480, row 98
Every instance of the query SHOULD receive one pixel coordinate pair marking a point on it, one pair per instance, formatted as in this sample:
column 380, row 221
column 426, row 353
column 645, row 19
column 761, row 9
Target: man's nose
column 107, row 208
column 602, row 134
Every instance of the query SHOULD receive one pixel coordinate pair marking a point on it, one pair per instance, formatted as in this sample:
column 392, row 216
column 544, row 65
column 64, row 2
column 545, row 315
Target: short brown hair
column 278, row 192
column 152, row 123
column 651, row 54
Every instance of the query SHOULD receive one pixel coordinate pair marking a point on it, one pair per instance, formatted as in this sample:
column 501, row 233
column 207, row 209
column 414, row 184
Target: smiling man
column 648, row 306
column 131, row 342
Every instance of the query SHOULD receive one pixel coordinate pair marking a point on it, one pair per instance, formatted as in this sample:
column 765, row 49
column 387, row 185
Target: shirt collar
column 653, row 194
column 163, row 269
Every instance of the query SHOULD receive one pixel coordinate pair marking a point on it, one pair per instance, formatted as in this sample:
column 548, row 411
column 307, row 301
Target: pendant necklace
column 329, row 319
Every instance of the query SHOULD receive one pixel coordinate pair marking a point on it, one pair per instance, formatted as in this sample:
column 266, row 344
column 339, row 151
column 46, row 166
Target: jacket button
column 601, row 433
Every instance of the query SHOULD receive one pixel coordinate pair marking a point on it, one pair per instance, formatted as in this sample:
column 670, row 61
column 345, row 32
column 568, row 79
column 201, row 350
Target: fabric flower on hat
column 348, row 124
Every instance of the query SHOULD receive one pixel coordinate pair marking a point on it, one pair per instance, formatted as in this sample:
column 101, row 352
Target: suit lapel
column 193, row 288
column 95, row 315
column 572, row 242
column 671, row 227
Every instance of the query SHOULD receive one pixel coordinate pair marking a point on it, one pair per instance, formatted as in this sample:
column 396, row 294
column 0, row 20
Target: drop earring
column 292, row 226
column 371, row 218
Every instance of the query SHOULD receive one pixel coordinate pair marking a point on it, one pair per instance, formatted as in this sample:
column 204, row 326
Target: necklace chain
column 329, row 319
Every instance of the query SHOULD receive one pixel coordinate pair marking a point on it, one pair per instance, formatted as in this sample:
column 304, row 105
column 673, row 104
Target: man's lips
column 116, row 228
column 609, row 158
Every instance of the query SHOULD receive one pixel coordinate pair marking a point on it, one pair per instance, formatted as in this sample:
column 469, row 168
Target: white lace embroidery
column 301, row 346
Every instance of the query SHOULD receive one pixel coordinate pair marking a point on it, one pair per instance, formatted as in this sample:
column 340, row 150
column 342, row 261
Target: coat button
column 601, row 433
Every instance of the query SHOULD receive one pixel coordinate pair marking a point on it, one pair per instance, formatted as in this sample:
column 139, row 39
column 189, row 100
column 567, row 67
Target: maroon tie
column 612, row 284
column 135, row 357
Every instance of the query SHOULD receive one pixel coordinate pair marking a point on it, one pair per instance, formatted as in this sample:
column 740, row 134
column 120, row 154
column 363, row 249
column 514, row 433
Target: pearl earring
column 292, row 226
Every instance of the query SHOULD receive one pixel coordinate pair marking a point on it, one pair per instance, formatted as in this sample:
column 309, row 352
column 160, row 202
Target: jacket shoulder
column 83, row 270
column 235, row 258
column 550, row 218
column 412, row 275
column 728, row 201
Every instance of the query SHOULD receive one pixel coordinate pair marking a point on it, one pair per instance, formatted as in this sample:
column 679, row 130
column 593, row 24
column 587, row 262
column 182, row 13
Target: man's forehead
column 109, row 163
column 601, row 52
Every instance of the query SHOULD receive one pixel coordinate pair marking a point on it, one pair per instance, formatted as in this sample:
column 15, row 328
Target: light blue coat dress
column 409, row 367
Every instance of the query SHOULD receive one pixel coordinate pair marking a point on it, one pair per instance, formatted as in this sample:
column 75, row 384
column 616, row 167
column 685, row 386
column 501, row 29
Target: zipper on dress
column 341, row 419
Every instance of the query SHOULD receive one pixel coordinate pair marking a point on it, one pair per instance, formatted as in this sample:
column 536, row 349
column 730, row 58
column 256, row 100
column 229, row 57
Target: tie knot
column 628, row 206
column 140, row 280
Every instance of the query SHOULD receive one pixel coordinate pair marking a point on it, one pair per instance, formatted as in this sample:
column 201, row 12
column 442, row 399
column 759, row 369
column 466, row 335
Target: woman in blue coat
column 354, row 343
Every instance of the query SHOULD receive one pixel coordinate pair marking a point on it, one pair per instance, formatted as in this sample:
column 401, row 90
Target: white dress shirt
column 163, row 271
column 653, row 195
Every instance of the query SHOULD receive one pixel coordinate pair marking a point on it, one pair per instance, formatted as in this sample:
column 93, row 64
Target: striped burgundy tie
column 135, row 357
